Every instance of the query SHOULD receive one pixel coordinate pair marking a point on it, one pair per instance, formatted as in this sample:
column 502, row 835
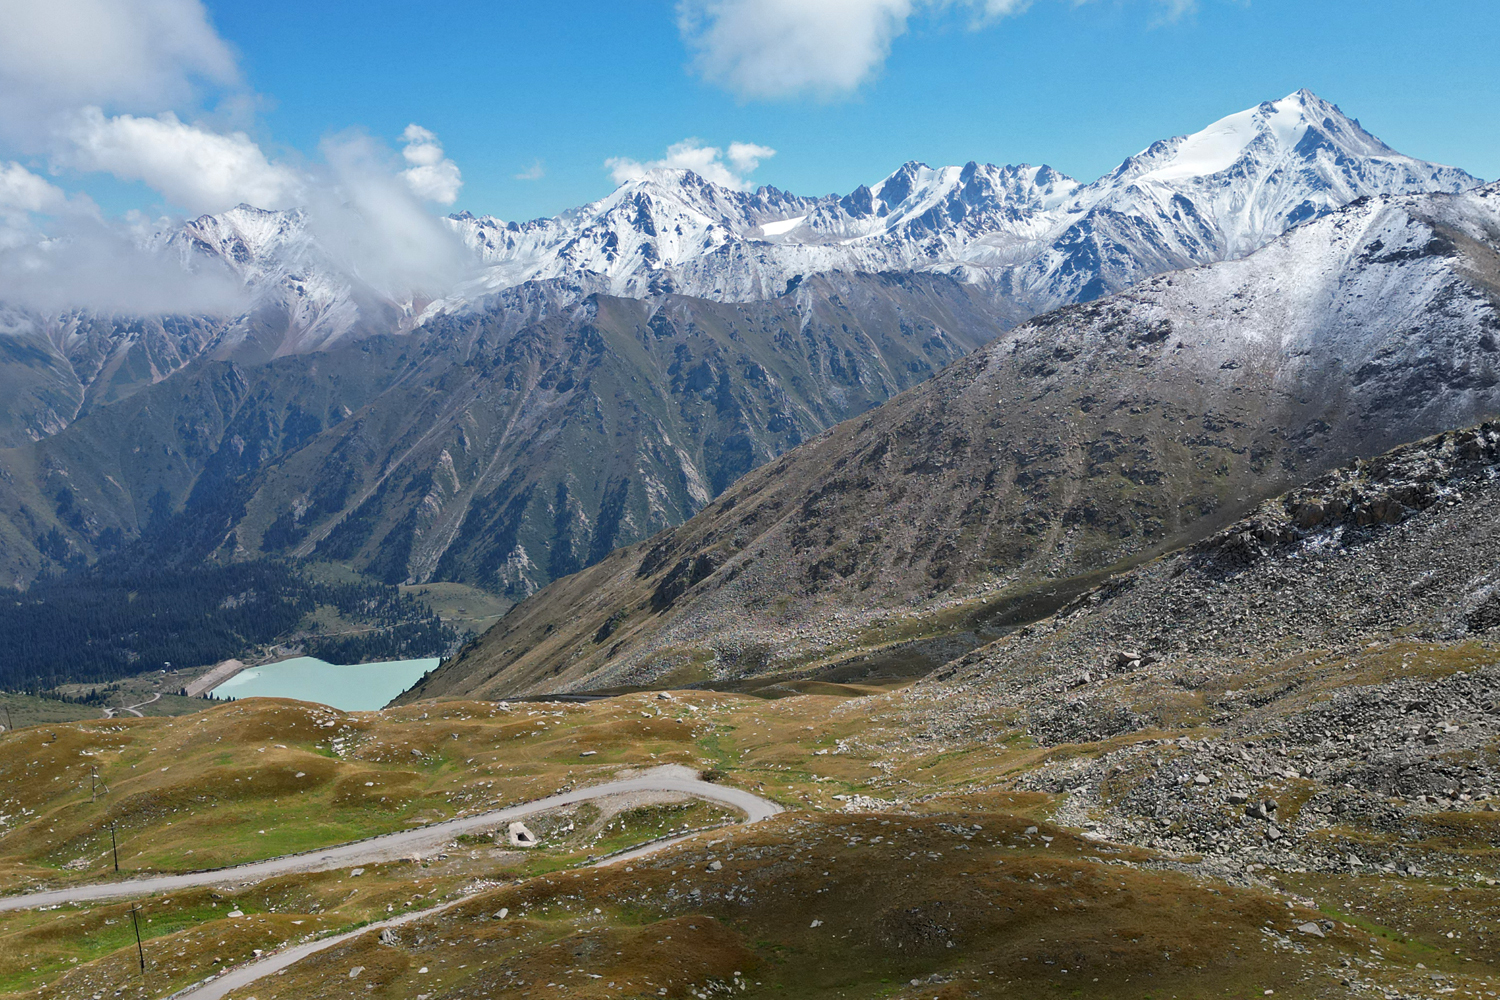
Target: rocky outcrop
column 1315, row 684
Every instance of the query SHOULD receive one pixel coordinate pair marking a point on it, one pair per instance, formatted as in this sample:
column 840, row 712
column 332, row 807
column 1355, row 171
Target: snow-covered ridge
column 1040, row 237
column 1032, row 236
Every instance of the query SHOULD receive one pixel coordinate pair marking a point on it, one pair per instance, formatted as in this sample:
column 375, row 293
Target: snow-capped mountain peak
column 1032, row 235
column 1253, row 175
column 1276, row 125
column 1038, row 234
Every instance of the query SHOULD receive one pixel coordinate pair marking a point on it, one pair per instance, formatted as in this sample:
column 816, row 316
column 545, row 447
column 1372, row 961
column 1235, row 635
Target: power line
column 140, row 950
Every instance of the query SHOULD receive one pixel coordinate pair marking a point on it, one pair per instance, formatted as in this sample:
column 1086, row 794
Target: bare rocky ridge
column 1090, row 437
column 1311, row 687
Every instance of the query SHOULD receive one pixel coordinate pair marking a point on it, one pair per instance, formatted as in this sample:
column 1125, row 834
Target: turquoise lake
column 363, row 687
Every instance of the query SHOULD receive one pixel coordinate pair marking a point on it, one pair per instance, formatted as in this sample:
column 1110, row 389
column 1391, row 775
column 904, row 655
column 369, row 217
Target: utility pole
column 93, row 784
column 114, row 844
column 141, row 951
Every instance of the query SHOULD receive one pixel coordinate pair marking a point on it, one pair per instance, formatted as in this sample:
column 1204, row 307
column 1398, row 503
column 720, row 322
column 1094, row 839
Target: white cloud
column 762, row 49
column 708, row 162
column 58, row 55
column 783, row 48
column 787, row 48
column 746, row 156
column 535, row 172
column 23, row 191
column 84, row 260
column 431, row 176
column 199, row 170
column 372, row 223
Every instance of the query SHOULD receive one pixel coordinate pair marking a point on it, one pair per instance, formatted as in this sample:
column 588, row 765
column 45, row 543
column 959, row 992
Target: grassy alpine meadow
column 899, row 869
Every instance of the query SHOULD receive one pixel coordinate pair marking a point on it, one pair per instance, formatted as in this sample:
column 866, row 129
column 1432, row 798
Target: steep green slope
column 500, row 448
column 53, row 371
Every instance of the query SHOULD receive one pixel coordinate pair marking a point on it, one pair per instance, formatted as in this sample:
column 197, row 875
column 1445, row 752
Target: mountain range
column 588, row 381
column 1089, row 439
column 1029, row 237
column 1033, row 236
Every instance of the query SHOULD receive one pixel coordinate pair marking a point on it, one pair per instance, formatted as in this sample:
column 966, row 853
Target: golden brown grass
column 967, row 897
column 951, row 863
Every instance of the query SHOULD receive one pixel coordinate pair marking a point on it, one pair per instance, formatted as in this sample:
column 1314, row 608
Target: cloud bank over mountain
column 146, row 91
column 725, row 167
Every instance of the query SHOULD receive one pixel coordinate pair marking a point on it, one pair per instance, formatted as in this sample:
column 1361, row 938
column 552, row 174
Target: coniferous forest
column 116, row 620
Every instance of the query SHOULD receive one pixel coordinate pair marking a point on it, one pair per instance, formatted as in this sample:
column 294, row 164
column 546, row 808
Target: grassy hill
column 927, row 851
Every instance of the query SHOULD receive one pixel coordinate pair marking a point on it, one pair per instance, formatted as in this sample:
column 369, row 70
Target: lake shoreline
column 361, row 687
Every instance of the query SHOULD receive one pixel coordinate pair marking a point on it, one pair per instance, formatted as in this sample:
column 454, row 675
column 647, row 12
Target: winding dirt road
column 109, row 713
column 393, row 846
column 671, row 778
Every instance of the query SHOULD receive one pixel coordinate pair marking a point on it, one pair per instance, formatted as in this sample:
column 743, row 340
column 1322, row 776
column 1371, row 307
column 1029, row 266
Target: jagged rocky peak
column 1255, row 174
column 976, row 184
column 1035, row 236
column 924, row 197
column 244, row 237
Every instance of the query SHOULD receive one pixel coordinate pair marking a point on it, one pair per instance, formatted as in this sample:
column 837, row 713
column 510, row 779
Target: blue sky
column 553, row 91
column 1078, row 86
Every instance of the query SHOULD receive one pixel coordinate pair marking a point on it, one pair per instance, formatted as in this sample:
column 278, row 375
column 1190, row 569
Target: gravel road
column 663, row 779
column 393, row 846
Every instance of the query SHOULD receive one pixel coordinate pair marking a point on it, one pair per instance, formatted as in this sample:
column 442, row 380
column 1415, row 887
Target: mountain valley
column 982, row 584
